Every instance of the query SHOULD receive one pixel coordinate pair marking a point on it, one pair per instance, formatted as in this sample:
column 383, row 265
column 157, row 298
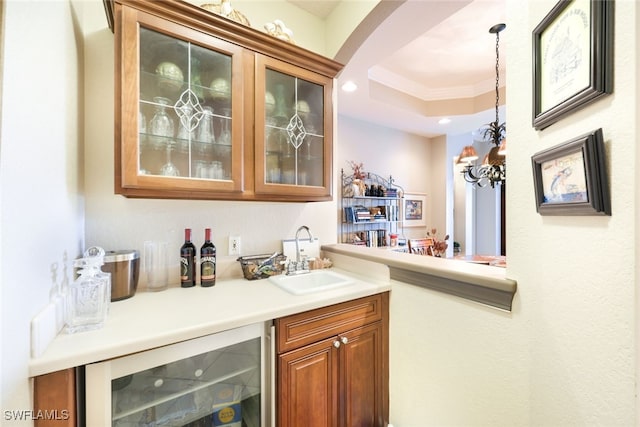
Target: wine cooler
column 217, row 380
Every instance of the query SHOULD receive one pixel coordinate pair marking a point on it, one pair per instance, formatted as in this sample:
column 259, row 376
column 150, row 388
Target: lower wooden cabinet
column 55, row 400
column 333, row 366
column 308, row 386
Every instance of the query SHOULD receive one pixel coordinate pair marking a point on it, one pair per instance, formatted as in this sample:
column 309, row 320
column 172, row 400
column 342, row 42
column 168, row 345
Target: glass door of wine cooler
column 217, row 380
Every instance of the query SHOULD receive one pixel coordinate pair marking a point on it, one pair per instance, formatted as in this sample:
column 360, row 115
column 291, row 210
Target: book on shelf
column 361, row 213
column 349, row 214
column 391, row 213
column 371, row 238
column 390, row 192
column 354, row 214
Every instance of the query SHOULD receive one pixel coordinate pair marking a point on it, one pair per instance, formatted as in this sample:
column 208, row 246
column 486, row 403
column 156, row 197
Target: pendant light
column 493, row 168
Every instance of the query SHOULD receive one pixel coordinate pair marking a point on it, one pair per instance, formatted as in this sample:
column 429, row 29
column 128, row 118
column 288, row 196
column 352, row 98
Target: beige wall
column 566, row 354
column 324, row 36
column 436, row 171
column 308, row 30
column 41, row 203
column 576, row 275
column 404, row 156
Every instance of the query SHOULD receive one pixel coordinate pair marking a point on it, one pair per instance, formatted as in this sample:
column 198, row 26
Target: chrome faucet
column 304, row 227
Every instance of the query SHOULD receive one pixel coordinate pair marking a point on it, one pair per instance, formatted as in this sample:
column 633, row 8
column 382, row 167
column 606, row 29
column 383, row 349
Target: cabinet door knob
column 344, row 340
column 336, row 344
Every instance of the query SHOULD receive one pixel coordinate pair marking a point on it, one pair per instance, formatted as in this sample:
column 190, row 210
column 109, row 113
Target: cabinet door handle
column 336, row 344
column 344, row 340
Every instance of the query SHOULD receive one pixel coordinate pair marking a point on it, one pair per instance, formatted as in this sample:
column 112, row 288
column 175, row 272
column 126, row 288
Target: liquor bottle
column 207, row 261
column 187, row 261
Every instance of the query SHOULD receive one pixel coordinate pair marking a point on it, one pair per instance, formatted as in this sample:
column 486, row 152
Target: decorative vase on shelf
column 269, row 104
column 358, row 187
column 220, row 91
column 170, row 77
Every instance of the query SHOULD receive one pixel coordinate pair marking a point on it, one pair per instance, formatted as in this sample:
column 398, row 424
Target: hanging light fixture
column 493, row 169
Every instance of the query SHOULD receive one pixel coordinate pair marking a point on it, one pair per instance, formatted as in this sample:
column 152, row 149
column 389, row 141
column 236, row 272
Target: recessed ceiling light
column 444, row 121
column 349, row 86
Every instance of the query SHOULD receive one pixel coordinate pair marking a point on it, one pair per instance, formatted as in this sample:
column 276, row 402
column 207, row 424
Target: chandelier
column 493, row 169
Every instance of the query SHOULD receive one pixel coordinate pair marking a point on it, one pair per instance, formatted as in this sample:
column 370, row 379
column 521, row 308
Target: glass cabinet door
column 184, row 109
column 293, row 131
column 184, row 126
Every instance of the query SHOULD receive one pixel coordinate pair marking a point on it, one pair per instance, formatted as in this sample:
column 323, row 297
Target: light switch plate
column 310, row 249
column 234, row 245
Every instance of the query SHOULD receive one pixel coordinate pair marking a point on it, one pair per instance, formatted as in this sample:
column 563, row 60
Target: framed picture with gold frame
column 572, row 58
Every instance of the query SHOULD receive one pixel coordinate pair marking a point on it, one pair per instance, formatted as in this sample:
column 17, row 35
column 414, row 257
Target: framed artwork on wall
column 572, row 59
column 413, row 210
column 571, row 178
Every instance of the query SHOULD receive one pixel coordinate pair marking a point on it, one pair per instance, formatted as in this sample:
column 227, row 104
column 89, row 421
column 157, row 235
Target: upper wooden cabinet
column 207, row 108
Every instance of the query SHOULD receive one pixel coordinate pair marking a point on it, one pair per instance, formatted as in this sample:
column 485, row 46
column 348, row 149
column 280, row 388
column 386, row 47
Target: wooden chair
column 421, row 246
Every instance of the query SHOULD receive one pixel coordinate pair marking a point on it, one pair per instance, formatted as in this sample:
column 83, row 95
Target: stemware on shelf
column 281, row 112
column 169, row 169
column 184, row 137
column 162, row 129
column 205, row 133
column 161, row 126
column 225, row 133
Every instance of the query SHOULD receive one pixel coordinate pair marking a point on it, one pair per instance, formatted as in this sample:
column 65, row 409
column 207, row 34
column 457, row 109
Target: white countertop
column 154, row 319
column 485, row 284
column 457, row 269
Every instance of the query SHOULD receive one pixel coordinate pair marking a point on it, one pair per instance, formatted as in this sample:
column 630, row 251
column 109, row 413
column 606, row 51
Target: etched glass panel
column 184, row 113
column 294, row 126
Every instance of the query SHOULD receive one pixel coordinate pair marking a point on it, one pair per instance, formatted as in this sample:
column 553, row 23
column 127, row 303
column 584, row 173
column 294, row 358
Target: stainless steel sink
column 316, row 281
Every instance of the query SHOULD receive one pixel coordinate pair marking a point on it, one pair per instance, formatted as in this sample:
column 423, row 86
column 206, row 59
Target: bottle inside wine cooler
column 207, row 261
column 187, row 261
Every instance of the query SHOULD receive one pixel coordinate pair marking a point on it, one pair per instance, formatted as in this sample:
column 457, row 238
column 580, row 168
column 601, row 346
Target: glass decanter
column 89, row 295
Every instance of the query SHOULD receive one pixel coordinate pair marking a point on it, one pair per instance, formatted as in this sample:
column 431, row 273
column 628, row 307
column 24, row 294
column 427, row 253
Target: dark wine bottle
column 207, row 261
column 187, row 261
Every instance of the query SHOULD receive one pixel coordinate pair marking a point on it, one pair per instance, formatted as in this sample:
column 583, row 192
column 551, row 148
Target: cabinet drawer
column 311, row 326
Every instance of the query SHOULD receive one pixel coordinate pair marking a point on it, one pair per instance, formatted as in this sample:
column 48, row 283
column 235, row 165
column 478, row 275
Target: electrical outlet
column 234, row 245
